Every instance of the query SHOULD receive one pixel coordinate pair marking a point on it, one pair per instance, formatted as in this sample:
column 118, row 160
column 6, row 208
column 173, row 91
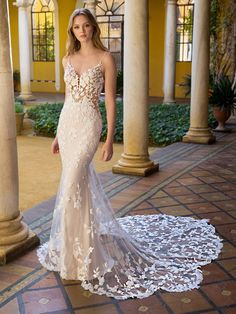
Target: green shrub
column 46, row 118
column 19, row 100
column 118, row 136
column 19, row 108
column 167, row 123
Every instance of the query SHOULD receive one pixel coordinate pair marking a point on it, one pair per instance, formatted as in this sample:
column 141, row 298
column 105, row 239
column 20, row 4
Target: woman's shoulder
column 106, row 57
column 65, row 60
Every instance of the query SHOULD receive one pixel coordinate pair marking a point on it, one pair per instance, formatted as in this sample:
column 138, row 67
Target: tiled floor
column 194, row 180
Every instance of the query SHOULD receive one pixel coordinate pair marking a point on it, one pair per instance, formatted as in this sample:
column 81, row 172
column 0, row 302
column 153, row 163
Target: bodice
column 86, row 86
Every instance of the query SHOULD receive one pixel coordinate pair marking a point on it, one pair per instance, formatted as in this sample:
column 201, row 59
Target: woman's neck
column 87, row 49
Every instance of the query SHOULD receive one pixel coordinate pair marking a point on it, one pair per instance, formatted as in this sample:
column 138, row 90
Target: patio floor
column 194, row 180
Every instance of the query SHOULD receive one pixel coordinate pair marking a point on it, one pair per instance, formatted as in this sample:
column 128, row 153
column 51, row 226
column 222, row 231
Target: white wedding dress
column 121, row 258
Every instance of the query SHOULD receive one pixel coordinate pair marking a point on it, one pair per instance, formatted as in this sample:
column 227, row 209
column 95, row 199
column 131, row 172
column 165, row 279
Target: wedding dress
column 121, row 258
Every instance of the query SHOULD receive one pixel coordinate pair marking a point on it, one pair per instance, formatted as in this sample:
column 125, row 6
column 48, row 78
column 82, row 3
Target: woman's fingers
column 107, row 152
column 106, row 156
column 55, row 148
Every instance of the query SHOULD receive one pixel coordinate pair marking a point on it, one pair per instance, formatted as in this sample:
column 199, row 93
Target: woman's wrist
column 109, row 141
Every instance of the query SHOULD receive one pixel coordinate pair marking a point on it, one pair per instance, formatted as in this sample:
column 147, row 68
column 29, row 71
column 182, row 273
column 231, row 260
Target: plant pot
column 19, row 122
column 221, row 117
column 16, row 86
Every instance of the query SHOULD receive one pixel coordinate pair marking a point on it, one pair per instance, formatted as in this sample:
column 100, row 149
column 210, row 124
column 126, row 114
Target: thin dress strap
column 102, row 57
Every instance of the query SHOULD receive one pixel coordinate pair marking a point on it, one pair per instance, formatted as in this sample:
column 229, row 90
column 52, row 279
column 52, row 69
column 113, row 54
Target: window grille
column 43, row 28
column 184, row 30
column 110, row 18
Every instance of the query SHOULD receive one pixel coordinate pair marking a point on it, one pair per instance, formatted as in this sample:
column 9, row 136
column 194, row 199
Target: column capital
column 91, row 5
column 171, row 2
column 22, row 3
column 91, row 2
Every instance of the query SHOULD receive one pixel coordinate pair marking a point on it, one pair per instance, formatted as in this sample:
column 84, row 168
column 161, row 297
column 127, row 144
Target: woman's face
column 82, row 28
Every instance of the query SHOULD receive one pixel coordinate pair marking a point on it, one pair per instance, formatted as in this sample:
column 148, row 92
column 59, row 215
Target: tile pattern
column 194, row 180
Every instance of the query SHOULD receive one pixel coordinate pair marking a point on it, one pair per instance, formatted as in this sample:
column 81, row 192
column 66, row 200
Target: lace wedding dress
column 121, row 258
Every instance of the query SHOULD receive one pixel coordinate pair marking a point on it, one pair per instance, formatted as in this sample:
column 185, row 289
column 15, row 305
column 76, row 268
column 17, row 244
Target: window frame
column 42, row 31
column 182, row 43
column 111, row 13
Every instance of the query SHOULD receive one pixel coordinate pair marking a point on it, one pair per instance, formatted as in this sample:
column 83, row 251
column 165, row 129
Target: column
column 57, row 48
column 24, row 48
column 170, row 52
column 15, row 237
column 79, row 4
column 199, row 132
column 91, row 5
column 135, row 159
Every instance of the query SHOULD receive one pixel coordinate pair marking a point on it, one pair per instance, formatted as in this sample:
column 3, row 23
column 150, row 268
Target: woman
column 126, row 257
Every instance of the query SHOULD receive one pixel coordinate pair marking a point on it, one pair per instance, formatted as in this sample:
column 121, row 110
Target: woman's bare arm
column 110, row 92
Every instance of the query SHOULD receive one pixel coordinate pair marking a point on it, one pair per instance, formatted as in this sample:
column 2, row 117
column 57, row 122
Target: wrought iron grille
column 110, row 18
column 43, row 28
column 184, row 36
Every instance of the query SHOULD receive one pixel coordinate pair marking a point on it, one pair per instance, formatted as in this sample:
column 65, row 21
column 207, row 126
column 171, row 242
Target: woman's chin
column 83, row 39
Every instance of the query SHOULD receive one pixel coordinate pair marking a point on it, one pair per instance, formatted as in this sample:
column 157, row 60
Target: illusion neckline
column 84, row 72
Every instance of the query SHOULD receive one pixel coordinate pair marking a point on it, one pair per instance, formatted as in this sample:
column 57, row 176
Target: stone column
column 135, row 159
column 15, row 236
column 24, row 48
column 170, row 52
column 79, row 4
column 91, row 5
column 199, row 132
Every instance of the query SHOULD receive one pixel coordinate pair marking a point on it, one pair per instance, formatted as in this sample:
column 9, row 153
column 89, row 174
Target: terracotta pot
column 19, row 122
column 221, row 117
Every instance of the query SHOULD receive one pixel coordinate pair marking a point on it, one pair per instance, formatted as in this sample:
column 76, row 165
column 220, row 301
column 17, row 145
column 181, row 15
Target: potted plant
column 186, row 84
column 19, row 113
column 16, row 80
column 223, row 100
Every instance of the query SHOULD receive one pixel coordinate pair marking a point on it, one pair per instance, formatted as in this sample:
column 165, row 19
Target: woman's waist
column 81, row 106
column 80, row 112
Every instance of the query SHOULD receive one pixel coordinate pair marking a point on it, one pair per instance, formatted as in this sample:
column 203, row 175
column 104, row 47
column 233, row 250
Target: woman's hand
column 55, row 146
column 107, row 151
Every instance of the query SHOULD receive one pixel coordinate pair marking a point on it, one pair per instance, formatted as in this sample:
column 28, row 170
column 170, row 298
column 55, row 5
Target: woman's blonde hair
column 73, row 44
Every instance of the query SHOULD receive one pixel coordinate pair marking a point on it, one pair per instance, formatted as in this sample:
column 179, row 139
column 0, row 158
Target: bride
column 125, row 257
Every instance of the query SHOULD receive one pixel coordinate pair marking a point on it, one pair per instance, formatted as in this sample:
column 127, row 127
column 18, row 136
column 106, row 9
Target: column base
column 136, row 165
column 26, row 96
column 168, row 102
column 10, row 252
column 199, row 136
column 142, row 172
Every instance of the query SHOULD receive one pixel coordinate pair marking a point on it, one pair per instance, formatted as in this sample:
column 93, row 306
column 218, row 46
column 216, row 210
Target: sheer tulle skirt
column 126, row 257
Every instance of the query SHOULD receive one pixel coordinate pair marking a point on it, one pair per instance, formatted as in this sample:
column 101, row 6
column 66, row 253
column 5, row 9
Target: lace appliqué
column 121, row 258
column 84, row 87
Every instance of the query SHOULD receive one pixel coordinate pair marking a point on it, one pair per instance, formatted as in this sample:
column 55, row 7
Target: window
column 184, row 30
column 43, row 26
column 110, row 18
